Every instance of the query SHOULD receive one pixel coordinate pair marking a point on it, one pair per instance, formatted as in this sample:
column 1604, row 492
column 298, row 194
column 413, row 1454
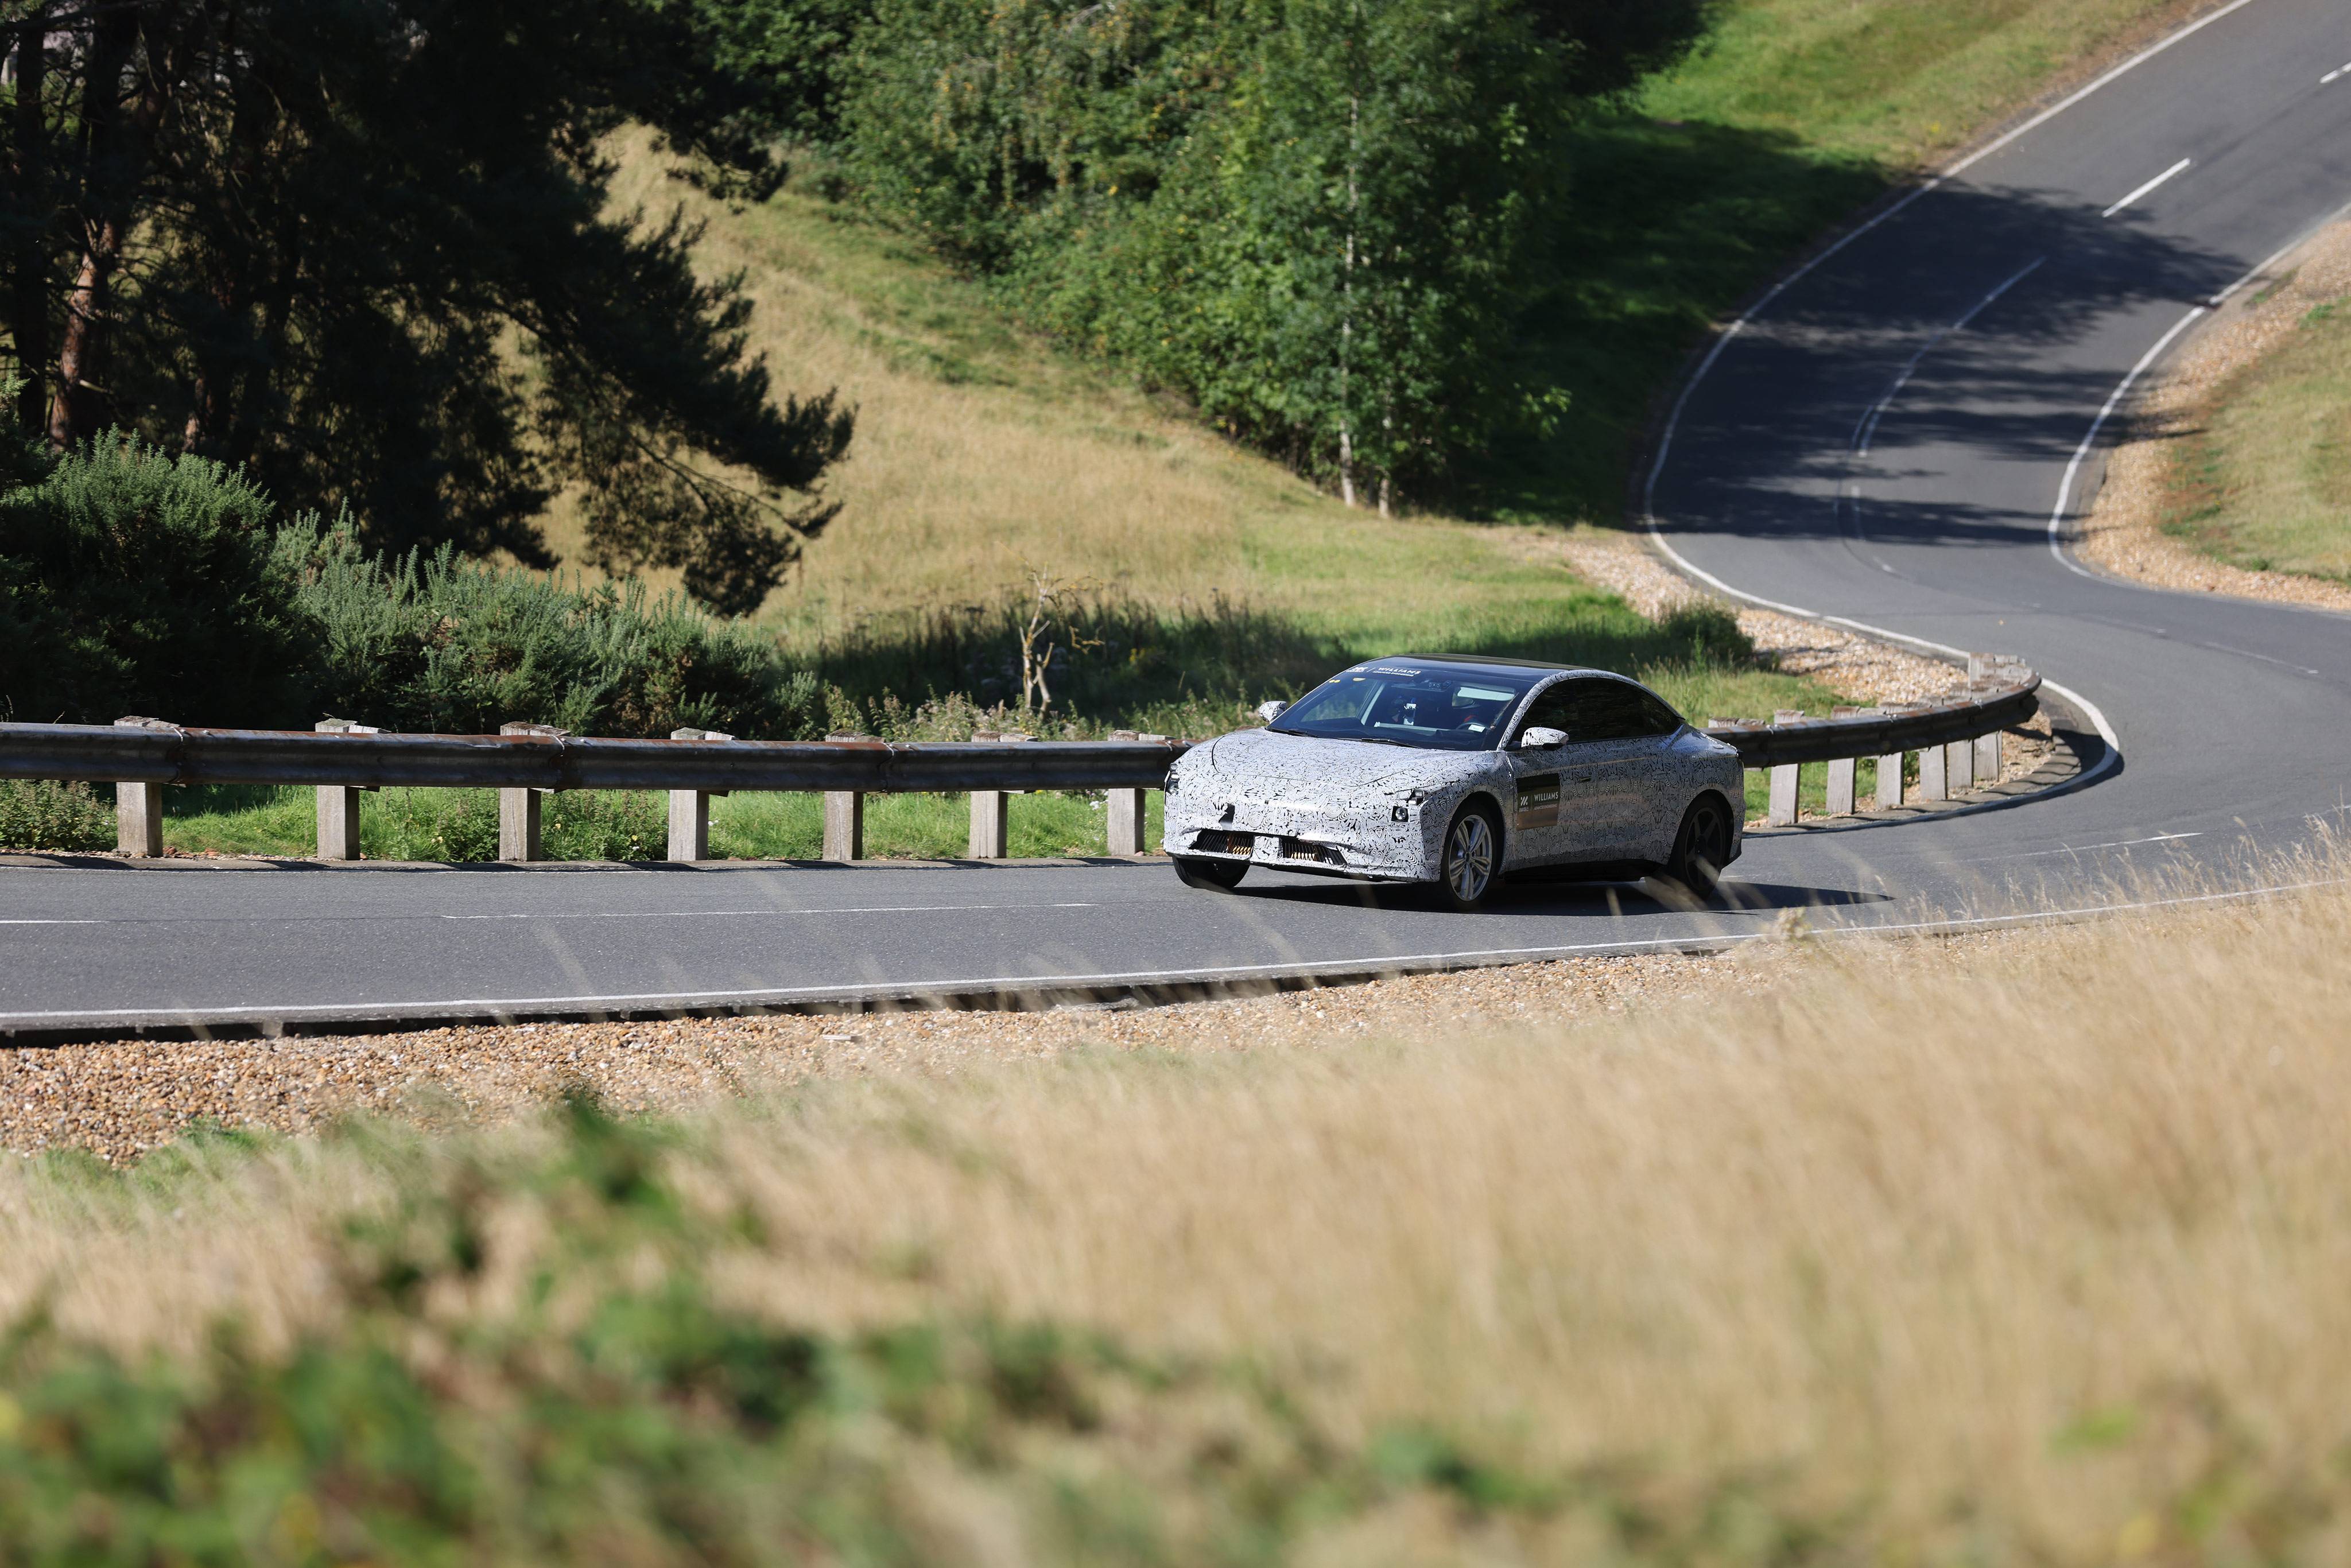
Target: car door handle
column 1580, row 776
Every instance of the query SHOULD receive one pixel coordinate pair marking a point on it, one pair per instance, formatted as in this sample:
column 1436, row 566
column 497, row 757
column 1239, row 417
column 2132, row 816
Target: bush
column 133, row 582
column 41, row 815
column 445, row 645
column 1709, row 633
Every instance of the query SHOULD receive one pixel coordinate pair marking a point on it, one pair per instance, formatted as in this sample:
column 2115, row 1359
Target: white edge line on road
column 2144, row 189
column 2070, row 100
column 1714, row 352
column 2082, row 453
column 1016, row 983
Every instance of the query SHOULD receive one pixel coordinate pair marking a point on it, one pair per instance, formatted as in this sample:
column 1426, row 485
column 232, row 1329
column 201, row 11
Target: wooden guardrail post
column 1934, row 776
column 990, row 818
column 1889, row 780
column 338, row 804
column 689, row 810
column 1960, row 767
column 844, row 818
column 1127, row 811
column 1841, row 770
column 139, row 805
column 518, row 809
column 1784, row 778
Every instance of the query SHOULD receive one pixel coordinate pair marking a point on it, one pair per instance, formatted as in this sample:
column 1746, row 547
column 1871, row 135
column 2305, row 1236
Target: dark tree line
column 359, row 250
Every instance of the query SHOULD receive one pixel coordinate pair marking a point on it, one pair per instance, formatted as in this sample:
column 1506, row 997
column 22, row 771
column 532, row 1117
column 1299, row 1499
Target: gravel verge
column 2124, row 532
column 118, row 1099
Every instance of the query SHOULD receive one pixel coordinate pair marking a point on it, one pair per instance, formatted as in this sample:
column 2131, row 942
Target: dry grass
column 981, row 451
column 2058, row 1222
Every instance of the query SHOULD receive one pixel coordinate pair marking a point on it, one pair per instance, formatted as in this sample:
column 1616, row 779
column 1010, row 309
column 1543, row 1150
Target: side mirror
column 1271, row 711
column 1541, row 738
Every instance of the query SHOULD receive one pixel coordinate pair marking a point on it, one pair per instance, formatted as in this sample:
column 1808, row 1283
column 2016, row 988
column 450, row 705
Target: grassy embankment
column 2260, row 477
column 1793, row 1282
column 984, row 454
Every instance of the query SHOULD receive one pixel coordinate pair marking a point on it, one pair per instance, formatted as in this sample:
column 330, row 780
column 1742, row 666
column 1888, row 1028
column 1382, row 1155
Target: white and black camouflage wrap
column 1354, row 807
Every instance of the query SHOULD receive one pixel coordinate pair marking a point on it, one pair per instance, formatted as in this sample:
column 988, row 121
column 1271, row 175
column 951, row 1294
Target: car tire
column 1217, row 876
column 1701, row 849
column 1470, row 863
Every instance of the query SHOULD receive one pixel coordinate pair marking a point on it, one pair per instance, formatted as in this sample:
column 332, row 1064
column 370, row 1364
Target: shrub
column 131, row 581
column 1709, row 633
column 441, row 644
column 41, row 815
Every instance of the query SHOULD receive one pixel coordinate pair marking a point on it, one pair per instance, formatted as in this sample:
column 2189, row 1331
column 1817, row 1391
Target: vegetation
column 1794, row 1282
column 400, row 824
column 40, row 814
column 2262, row 478
column 366, row 254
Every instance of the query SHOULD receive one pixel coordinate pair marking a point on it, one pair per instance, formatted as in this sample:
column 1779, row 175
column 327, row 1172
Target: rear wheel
column 1701, row 849
column 1472, row 860
column 1220, row 876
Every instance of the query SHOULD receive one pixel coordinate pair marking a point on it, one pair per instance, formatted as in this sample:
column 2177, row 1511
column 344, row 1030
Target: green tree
column 366, row 252
column 1317, row 219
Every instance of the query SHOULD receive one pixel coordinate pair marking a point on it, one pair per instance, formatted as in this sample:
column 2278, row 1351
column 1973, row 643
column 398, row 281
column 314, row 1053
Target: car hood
column 1267, row 757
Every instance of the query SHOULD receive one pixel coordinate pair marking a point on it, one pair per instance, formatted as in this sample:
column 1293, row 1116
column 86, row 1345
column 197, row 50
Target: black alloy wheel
column 1701, row 849
column 1217, row 876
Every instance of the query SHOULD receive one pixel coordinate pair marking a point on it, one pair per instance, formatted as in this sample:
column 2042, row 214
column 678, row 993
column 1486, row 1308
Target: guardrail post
column 1784, row 778
column 689, row 810
column 1933, row 777
column 1962, row 769
column 518, row 809
column 1987, row 758
column 338, row 804
column 1841, row 770
column 990, row 819
column 1126, row 810
column 844, row 818
column 139, row 805
column 1889, row 780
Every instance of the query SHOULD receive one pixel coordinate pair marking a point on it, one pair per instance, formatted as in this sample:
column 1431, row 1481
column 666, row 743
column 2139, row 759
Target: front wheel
column 1473, row 854
column 1217, row 876
column 1701, row 849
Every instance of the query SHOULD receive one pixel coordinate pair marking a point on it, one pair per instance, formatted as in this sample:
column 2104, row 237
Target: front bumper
column 1385, row 840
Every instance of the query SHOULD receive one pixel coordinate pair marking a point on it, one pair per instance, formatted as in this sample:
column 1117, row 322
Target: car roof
column 1487, row 662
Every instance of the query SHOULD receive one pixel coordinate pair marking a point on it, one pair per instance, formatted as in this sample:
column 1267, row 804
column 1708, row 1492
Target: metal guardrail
column 172, row 754
column 527, row 762
column 1956, row 738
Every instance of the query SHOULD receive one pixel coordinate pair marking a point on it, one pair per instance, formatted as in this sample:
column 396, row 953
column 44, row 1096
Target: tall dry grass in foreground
column 2037, row 1248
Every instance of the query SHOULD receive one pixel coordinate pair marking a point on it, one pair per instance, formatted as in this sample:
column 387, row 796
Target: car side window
column 1657, row 718
column 1600, row 710
column 1553, row 708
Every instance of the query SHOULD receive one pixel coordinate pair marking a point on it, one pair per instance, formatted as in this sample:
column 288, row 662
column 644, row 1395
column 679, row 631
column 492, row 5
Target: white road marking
column 2082, row 453
column 1867, row 431
column 619, row 914
column 2264, row 658
column 2329, row 76
column 2150, row 185
column 2117, row 844
column 1385, row 963
column 733, row 914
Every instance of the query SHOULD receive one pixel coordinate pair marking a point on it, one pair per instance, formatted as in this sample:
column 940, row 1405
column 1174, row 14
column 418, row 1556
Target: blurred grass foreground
column 1876, row 1255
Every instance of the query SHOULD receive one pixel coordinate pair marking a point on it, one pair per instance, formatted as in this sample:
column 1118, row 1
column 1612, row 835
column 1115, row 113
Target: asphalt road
column 1887, row 439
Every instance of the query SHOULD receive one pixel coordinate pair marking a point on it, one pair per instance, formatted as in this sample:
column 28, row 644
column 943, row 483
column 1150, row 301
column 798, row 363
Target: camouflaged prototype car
column 1460, row 772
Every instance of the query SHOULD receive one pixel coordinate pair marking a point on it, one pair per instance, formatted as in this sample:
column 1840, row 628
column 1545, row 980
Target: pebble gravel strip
column 120, row 1098
column 1860, row 669
column 2123, row 533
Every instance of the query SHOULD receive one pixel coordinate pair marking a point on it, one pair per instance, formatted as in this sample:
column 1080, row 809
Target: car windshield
column 1410, row 704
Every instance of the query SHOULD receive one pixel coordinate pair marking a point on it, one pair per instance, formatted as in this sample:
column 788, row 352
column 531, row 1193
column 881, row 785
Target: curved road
column 1887, row 439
